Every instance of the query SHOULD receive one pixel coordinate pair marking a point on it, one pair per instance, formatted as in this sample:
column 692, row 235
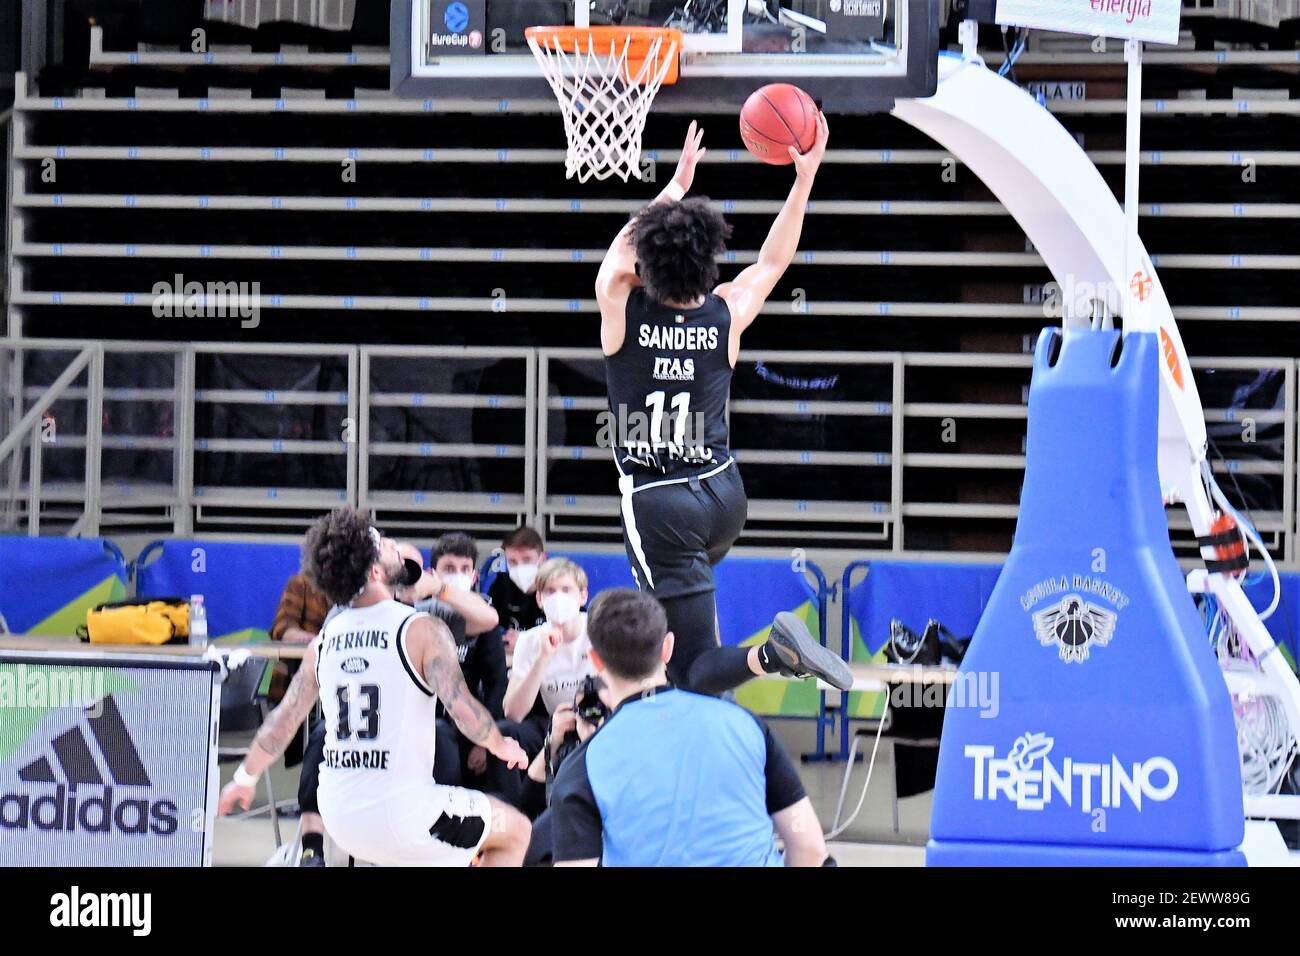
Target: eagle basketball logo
column 1075, row 626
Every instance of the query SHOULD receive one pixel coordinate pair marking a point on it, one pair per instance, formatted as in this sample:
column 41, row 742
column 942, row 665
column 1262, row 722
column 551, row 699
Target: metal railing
column 33, row 429
column 879, row 452
column 8, row 128
column 99, row 57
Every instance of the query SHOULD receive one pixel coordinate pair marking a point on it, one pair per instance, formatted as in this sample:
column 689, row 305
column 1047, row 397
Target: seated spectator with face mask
column 550, row 665
column 551, row 659
column 513, row 594
column 454, row 557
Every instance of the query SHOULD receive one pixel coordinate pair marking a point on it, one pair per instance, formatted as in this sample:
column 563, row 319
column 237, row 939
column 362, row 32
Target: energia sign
column 1153, row 20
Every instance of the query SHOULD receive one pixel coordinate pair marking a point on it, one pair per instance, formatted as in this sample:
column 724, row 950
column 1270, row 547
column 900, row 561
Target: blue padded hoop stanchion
column 1112, row 740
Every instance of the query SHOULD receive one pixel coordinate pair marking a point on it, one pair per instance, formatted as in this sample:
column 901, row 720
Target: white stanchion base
column 1278, row 806
column 1264, row 846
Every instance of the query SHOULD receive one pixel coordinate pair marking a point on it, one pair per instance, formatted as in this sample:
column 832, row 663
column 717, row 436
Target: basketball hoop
column 606, row 79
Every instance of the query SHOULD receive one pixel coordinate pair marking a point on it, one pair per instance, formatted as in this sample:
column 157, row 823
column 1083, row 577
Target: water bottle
column 198, row 621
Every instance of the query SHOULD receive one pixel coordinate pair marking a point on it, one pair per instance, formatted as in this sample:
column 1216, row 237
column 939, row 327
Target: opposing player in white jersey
column 379, row 669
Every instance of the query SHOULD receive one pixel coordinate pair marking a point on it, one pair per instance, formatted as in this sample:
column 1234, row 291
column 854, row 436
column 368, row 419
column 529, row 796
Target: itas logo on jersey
column 678, row 338
column 673, row 369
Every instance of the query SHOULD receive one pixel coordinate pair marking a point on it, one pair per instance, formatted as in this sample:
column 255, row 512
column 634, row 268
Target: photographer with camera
column 571, row 726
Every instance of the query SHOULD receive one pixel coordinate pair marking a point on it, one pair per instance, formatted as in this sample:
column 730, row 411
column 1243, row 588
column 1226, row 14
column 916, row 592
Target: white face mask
column 462, row 582
column 523, row 575
column 560, row 608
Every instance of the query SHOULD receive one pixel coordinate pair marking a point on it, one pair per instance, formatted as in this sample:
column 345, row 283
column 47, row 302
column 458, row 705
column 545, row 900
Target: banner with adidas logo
column 121, row 776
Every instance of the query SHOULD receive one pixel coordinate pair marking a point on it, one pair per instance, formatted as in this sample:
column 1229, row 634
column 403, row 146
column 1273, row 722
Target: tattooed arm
column 429, row 643
column 282, row 723
column 275, row 734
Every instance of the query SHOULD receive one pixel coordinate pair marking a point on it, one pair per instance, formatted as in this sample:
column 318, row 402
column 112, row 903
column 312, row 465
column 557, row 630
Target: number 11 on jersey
column 681, row 405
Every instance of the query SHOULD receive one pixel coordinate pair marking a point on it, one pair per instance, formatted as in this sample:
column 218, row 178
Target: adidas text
column 62, row 810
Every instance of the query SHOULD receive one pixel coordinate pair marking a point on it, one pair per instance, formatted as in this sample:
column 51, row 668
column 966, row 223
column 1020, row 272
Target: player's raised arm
column 746, row 294
column 431, row 647
column 279, row 729
column 617, row 277
column 480, row 616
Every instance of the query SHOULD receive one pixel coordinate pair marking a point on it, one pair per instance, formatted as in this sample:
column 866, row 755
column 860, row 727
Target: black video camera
column 589, row 706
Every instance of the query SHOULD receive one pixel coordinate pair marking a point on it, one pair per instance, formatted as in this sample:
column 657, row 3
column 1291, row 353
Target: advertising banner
column 106, row 762
column 1152, row 20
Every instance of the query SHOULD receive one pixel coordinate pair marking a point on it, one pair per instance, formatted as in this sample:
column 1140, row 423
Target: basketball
column 776, row 117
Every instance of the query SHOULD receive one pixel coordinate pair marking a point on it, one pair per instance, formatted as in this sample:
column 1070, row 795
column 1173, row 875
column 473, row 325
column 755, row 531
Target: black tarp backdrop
column 10, row 33
column 121, row 418
column 220, row 420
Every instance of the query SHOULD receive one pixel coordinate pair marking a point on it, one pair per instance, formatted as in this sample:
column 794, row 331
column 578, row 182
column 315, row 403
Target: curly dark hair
column 677, row 245
column 338, row 552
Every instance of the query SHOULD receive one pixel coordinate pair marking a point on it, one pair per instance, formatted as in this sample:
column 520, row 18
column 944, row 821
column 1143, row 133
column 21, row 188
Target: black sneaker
column 311, row 858
column 802, row 655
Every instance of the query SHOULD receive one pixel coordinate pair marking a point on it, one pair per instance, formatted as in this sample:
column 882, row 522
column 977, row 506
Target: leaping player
column 671, row 337
column 379, row 669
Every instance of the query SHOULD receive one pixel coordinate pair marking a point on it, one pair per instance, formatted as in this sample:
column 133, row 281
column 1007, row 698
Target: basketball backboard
column 853, row 56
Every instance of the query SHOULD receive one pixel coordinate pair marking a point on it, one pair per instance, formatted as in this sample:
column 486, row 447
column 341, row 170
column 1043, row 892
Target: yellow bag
column 160, row 621
column 176, row 611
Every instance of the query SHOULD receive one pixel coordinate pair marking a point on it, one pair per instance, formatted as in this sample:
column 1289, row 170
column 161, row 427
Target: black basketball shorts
column 676, row 530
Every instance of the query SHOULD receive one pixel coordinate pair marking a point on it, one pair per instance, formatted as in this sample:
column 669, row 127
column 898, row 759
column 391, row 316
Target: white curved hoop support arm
column 1046, row 181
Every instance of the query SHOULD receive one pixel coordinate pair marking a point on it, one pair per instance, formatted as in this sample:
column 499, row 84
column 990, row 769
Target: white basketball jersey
column 379, row 712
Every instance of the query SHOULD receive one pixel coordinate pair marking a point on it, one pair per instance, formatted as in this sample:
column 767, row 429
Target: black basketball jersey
column 668, row 388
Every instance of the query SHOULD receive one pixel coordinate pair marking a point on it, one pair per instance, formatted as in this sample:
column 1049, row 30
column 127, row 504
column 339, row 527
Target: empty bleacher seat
column 74, row 576
column 241, row 582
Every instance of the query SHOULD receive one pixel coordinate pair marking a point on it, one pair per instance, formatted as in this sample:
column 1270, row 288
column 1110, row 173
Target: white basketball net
column 604, row 108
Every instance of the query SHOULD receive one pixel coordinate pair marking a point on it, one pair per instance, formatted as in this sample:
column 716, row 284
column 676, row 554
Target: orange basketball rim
column 605, row 79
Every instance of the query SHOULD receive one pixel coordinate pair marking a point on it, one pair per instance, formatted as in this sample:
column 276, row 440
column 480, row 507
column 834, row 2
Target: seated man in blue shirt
column 673, row 778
